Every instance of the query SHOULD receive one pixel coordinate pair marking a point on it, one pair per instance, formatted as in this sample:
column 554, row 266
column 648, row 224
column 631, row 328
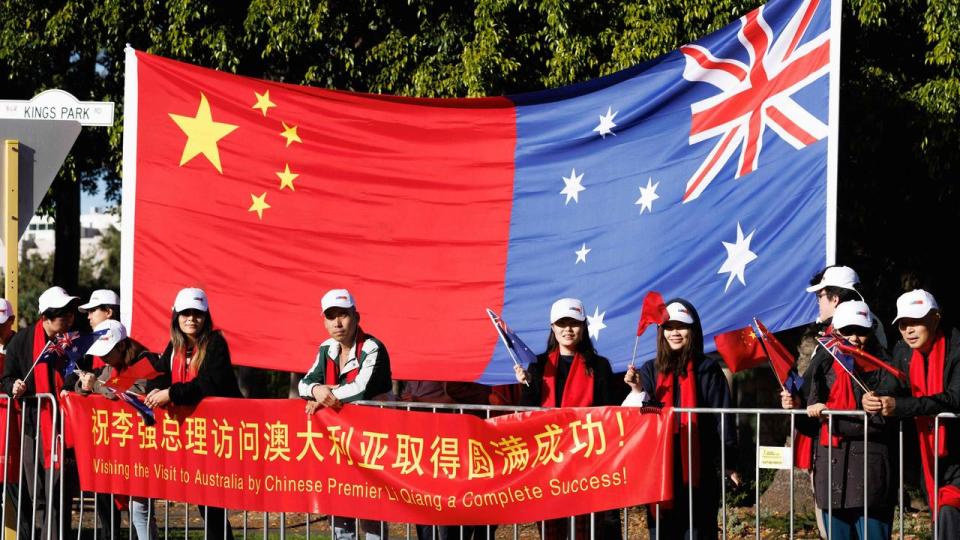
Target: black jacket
column 602, row 382
column 846, row 461
column 19, row 359
column 215, row 378
column 908, row 406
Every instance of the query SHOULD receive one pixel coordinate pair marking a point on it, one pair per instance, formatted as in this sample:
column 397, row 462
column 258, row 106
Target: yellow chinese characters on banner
column 417, row 467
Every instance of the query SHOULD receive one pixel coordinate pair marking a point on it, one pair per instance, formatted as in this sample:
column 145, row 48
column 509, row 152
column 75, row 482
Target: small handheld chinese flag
column 654, row 311
column 781, row 360
column 740, row 349
column 124, row 380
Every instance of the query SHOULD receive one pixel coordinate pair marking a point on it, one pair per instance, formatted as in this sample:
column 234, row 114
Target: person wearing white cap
column 829, row 386
column 833, row 285
column 351, row 365
column 56, row 309
column 195, row 365
column 119, row 352
column 682, row 376
column 9, row 439
column 570, row 374
column 104, row 304
column 929, row 352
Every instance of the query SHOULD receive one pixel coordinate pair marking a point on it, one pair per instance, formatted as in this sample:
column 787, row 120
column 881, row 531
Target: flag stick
column 776, row 376
column 37, row 361
column 634, row 357
column 852, row 375
column 496, row 324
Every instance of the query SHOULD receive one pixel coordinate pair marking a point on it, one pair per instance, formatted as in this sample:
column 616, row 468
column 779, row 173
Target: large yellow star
column 259, row 204
column 290, row 133
column 263, row 102
column 286, row 177
column 202, row 134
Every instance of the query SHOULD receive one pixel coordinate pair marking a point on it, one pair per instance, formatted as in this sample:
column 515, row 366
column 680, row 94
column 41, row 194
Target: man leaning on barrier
column 349, row 366
column 929, row 353
column 56, row 316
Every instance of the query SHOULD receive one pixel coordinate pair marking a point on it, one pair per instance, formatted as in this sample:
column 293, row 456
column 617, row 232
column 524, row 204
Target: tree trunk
column 66, row 258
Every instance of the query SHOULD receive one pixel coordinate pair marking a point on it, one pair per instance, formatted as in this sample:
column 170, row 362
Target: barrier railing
column 29, row 473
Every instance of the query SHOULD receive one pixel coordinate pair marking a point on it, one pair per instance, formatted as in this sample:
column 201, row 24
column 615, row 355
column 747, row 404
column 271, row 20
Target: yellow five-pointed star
column 290, row 133
column 259, row 204
column 286, row 177
column 202, row 134
column 263, row 102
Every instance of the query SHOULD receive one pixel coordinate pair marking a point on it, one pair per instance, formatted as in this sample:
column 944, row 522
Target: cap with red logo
column 6, row 310
column 100, row 297
column 915, row 304
column 852, row 313
column 191, row 298
column 567, row 307
column 340, row 298
column 113, row 333
column 679, row 312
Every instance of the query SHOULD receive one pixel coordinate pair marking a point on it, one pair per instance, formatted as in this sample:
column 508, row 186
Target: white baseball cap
column 100, row 297
column 915, row 304
column 679, row 312
column 191, row 298
column 567, row 307
column 113, row 333
column 340, row 298
column 55, row 297
column 6, row 310
column 843, row 277
column 852, row 313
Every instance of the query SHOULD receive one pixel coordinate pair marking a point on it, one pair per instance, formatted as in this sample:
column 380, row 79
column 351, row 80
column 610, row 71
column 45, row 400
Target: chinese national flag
column 780, row 358
column 266, row 195
column 740, row 349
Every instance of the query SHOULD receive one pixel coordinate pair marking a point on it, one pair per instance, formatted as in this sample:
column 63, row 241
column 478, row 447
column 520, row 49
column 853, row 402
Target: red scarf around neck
column 578, row 389
column 927, row 380
column 181, row 371
column 333, row 364
column 42, row 375
column 841, row 398
column 688, row 399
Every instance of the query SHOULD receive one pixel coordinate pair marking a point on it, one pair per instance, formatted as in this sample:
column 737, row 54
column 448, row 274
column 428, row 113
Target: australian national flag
column 708, row 173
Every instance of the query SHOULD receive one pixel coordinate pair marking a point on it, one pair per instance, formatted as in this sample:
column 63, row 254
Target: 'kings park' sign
column 57, row 104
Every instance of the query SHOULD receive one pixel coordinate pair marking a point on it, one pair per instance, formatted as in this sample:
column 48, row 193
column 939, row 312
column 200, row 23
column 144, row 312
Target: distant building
column 39, row 238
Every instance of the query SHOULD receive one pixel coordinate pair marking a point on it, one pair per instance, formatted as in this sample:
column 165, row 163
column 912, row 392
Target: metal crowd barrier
column 247, row 525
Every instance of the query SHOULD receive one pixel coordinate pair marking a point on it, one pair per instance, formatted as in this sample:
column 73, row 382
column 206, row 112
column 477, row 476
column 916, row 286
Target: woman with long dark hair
column 196, row 364
column 682, row 376
column 570, row 374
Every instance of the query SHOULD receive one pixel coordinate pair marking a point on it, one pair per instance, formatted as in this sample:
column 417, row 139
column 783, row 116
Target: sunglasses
column 858, row 331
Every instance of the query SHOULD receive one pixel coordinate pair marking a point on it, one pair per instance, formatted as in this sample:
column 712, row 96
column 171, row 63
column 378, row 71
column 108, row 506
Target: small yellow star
column 263, row 102
column 290, row 133
column 286, row 177
column 202, row 134
column 259, row 204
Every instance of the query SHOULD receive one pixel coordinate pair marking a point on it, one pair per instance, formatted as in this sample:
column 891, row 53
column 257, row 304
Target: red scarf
column 41, row 378
column 841, row 398
column 577, row 391
column 333, row 364
column 688, row 399
column 181, row 371
column 927, row 384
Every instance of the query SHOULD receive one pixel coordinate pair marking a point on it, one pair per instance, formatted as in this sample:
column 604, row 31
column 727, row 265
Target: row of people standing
column 926, row 358
column 195, row 364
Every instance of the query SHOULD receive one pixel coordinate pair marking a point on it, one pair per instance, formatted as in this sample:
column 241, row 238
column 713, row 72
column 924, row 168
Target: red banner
column 368, row 462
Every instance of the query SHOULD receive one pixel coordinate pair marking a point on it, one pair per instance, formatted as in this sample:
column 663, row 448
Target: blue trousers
column 848, row 524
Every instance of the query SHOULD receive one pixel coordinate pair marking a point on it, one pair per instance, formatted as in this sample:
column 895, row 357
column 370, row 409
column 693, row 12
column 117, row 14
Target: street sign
column 58, row 104
column 43, row 147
